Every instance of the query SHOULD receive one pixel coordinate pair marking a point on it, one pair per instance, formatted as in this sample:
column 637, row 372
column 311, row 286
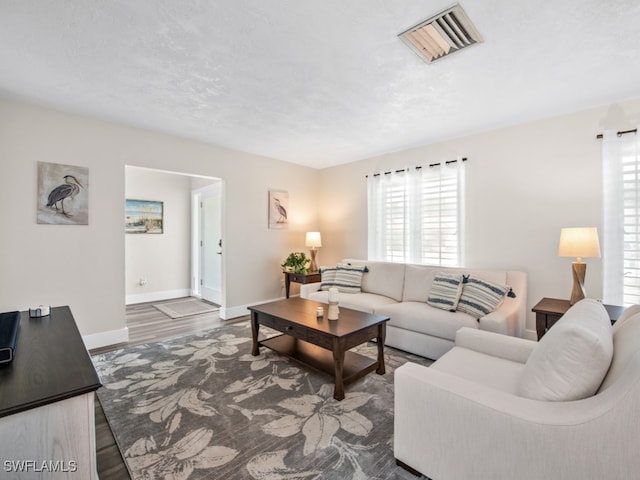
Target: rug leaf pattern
column 202, row 407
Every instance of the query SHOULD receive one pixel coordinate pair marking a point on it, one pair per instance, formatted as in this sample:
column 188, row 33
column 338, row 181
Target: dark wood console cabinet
column 47, row 402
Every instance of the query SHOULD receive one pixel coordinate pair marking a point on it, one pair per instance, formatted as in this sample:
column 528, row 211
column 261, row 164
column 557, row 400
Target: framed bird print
column 63, row 194
column 278, row 209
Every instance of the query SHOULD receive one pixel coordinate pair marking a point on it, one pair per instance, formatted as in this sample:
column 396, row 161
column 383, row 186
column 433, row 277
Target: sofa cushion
column 445, row 291
column 423, row 318
column 480, row 297
column 418, row 279
column 417, row 282
column 382, row 278
column 363, row 302
column 482, row 368
column 572, row 358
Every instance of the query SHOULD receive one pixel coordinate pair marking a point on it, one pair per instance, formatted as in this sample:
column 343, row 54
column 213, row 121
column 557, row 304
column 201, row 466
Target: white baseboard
column 103, row 339
column 157, row 296
column 530, row 335
column 227, row 313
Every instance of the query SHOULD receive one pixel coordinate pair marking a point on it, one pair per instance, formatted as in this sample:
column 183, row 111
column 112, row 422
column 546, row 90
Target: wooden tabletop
column 303, row 312
column 559, row 306
column 51, row 364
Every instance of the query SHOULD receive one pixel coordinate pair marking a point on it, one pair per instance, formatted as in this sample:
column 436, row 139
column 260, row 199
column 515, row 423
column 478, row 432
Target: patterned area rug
column 202, row 407
column 185, row 307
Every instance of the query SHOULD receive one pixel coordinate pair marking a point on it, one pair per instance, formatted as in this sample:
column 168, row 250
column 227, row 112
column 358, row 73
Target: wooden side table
column 289, row 277
column 549, row 310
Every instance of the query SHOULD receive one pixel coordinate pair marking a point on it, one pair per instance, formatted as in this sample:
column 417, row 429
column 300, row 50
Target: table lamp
column 313, row 241
column 579, row 242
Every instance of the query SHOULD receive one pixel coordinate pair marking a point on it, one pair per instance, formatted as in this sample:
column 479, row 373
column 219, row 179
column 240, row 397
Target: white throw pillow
column 572, row 358
column 445, row 291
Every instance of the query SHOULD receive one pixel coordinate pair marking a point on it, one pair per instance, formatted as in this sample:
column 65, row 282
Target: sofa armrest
column 503, row 320
column 438, row 416
column 422, row 379
column 307, row 288
column 503, row 346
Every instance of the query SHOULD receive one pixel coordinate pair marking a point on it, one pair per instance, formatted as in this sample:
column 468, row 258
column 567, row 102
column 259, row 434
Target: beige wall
column 524, row 183
column 84, row 266
column 163, row 260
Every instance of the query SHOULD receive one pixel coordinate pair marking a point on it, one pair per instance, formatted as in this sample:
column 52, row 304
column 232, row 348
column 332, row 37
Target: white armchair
column 498, row 407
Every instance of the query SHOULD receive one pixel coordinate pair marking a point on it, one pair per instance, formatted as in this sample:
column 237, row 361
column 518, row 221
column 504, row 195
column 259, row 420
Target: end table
column 549, row 310
column 289, row 277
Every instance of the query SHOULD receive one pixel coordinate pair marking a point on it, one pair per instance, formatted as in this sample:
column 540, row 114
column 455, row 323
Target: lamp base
column 313, row 266
column 579, row 269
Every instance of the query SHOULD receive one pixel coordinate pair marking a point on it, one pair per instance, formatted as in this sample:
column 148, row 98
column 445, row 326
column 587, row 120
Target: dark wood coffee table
column 320, row 343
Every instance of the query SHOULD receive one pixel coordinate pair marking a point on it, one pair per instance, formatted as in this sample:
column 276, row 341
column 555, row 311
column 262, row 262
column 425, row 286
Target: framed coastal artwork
column 278, row 209
column 63, row 194
column 143, row 216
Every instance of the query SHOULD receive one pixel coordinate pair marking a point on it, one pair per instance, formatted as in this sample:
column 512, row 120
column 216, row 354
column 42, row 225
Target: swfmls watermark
column 40, row 466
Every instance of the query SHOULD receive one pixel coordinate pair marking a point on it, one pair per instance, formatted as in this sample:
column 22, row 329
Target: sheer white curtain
column 621, row 196
column 416, row 215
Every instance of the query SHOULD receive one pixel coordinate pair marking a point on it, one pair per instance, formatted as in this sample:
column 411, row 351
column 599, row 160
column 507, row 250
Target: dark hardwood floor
column 146, row 324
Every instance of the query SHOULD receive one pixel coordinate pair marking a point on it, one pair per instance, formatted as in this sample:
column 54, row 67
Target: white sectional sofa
column 400, row 291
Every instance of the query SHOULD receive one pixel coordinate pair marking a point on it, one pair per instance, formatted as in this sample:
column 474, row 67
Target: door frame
column 196, row 238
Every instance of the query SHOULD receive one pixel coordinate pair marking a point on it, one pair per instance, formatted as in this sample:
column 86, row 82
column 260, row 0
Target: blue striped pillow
column 481, row 297
column 445, row 291
column 349, row 278
column 327, row 277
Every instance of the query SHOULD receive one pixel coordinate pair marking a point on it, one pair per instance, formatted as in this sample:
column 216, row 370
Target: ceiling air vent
column 442, row 34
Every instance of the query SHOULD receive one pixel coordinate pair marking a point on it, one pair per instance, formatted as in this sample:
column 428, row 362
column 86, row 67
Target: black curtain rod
column 635, row 130
column 418, row 167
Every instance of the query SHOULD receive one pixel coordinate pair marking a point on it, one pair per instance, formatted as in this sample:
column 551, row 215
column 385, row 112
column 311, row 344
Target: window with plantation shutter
column 416, row 215
column 621, row 194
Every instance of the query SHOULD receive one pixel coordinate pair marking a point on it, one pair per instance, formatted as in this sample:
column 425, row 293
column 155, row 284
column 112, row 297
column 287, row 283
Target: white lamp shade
column 313, row 240
column 579, row 242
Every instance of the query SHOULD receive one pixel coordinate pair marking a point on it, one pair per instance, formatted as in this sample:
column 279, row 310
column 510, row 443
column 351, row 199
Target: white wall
column 524, row 184
column 84, row 266
column 163, row 260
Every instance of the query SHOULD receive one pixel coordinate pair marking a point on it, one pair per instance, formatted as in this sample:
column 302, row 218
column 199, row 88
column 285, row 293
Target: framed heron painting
column 278, row 209
column 63, row 194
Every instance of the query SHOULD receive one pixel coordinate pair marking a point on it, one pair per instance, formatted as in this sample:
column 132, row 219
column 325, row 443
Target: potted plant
column 296, row 262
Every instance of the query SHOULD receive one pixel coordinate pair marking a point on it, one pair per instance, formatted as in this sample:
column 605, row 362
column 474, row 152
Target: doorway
column 207, row 246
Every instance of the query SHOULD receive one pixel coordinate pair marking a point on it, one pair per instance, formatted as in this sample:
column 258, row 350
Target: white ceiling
column 315, row 82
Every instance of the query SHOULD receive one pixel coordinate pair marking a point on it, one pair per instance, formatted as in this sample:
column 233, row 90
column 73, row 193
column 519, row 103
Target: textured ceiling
column 315, row 82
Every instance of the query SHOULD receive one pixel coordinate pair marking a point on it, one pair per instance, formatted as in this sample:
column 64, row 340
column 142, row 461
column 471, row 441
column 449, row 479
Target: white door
column 209, row 264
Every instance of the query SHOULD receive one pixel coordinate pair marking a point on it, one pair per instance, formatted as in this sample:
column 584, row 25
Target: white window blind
column 416, row 215
column 621, row 194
